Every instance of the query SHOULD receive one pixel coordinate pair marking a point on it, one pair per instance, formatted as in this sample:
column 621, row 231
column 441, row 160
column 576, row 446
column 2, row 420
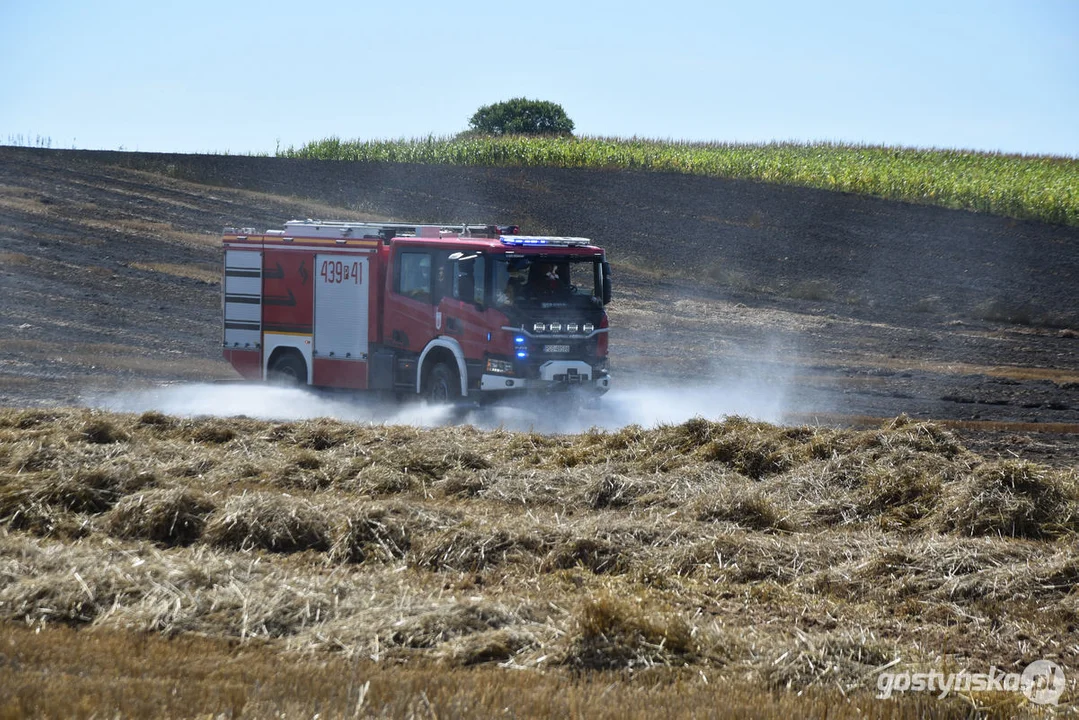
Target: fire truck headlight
column 556, row 327
column 538, row 327
column 501, row 367
column 588, row 327
column 571, row 327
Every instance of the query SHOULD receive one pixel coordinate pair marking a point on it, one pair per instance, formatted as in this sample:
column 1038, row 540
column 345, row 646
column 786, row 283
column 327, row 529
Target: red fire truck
column 447, row 312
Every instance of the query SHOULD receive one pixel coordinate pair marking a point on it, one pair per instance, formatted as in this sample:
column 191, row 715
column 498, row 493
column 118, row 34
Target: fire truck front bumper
column 554, row 376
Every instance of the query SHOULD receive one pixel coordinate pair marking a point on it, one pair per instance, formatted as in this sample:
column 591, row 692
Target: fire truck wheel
column 442, row 384
column 288, row 369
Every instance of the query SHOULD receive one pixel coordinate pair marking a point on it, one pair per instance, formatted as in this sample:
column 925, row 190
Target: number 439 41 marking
column 337, row 271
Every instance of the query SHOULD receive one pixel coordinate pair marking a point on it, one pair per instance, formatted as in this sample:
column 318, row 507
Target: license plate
column 555, row 348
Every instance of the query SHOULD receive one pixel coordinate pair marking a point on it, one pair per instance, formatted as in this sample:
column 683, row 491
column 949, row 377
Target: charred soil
column 109, row 270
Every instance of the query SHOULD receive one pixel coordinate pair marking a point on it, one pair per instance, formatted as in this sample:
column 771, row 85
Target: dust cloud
column 268, row 402
column 646, row 403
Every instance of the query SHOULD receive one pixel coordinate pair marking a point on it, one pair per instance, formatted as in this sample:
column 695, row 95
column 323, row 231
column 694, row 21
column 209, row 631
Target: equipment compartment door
column 243, row 299
column 341, row 309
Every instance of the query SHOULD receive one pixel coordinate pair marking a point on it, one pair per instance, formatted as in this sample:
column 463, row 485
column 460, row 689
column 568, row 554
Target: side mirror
column 606, row 282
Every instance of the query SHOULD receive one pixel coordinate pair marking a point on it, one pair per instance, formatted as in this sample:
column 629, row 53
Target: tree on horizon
column 521, row 116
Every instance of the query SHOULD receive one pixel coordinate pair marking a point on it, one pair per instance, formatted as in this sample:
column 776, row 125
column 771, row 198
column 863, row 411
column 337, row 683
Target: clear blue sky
column 240, row 77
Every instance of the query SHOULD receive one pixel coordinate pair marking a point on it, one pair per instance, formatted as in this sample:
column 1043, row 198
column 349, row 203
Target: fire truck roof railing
column 384, row 230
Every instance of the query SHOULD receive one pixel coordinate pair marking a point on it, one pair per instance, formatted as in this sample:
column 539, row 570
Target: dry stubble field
column 155, row 565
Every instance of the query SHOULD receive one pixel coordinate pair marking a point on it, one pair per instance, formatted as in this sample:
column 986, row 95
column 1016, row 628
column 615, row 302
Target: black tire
column 443, row 385
column 288, row 369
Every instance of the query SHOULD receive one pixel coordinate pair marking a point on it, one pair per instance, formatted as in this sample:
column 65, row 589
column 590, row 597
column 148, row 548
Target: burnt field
column 849, row 306
column 913, row 499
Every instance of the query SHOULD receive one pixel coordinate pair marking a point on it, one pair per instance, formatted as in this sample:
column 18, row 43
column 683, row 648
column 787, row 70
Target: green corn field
column 1044, row 188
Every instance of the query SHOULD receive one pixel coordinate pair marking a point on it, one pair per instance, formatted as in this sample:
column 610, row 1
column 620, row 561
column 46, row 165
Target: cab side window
column 414, row 275
column 479, row 272
column 468, row 280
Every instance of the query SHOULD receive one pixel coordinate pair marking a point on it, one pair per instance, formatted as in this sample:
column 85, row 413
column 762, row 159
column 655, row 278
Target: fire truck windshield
column 523, row 281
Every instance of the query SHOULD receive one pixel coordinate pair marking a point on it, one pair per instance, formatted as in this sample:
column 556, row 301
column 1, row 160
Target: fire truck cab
column 443, row 311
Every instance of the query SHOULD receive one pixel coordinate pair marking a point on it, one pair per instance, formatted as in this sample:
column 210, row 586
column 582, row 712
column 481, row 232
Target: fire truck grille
column 544, row 350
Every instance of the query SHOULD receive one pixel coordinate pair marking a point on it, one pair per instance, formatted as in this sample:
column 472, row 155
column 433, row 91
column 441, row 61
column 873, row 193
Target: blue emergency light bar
column 553, row 240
